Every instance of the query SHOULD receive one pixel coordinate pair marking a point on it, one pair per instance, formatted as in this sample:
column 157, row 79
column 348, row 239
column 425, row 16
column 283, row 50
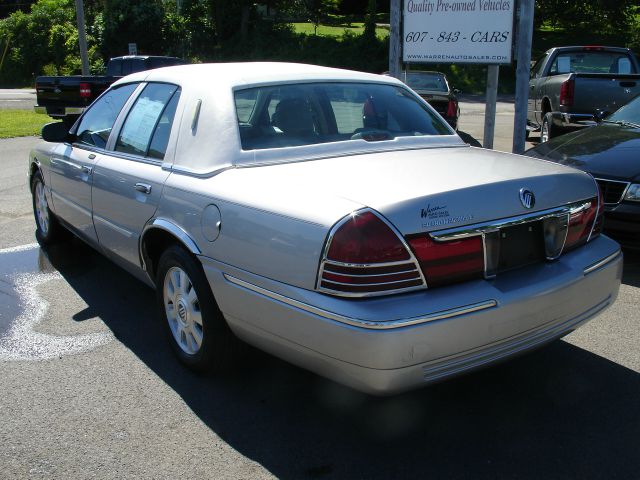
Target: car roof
column 250, row 73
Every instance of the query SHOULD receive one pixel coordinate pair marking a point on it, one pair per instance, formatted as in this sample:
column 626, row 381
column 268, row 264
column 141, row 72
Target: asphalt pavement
column 90, row 388
column 19, row 99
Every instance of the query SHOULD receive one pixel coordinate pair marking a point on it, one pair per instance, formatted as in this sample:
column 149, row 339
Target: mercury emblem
column 527, row 198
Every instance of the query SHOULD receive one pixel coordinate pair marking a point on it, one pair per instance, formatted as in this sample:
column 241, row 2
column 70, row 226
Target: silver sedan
column 329, row 217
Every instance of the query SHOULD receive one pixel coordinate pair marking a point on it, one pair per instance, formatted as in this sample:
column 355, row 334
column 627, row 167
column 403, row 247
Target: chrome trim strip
column 602, row 263
column 372, row 274
column 624, row 192
column 358, row 322
column 172, row 228
column 484, row 227
column 597, row 209
column 379, row 284
column 369, row 265
column 324, row 260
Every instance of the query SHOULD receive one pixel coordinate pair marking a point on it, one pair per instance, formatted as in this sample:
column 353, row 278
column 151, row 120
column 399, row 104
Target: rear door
column 72, row 166
column 129, row 179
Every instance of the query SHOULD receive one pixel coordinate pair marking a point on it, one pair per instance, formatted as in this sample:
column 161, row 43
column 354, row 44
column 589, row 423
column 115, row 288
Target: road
column 22, row 99
column 90, row 389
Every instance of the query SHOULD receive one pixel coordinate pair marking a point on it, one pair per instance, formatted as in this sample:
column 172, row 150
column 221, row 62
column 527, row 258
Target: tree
column 606, row 16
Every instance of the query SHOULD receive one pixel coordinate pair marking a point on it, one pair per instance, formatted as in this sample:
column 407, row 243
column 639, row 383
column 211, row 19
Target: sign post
column 395, row 66
column 525, row 34
column 460, row 31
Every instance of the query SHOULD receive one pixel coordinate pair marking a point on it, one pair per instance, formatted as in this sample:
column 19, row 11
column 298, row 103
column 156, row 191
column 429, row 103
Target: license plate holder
column 521, row 245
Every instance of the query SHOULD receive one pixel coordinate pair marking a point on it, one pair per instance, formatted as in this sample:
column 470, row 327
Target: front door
column 73, row 165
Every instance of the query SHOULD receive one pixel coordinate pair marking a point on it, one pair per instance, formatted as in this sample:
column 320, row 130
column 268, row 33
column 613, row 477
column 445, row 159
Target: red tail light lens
column 452, row 108
column 364, row 256
column 581, row 223
column 85, row 90
column 567, row 89
column 448, row 262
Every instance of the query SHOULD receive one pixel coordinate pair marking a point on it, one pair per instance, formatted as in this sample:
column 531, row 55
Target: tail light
column 448, row 262
column 85, row 90
column 365, row 256
column 567, row 89
column 452, row 108
column 582, row 222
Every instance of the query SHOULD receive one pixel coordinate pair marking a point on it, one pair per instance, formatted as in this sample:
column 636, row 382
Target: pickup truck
column 67, row 97
column 571, row 87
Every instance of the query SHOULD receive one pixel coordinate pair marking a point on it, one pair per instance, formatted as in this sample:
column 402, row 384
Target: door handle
column 143, row 187
column 86, row 169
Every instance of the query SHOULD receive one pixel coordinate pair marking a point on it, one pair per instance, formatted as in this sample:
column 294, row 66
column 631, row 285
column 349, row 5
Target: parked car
column 326, row 216
column 435, row 89
column 67, row 97
column 611, row 153
column 570, row 84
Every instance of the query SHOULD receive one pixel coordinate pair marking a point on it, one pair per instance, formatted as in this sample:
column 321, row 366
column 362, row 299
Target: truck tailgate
column 65, row 91
column 603, row 91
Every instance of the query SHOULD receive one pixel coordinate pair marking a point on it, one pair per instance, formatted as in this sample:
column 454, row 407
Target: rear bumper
column 573, row 120
column 56, row 112
column 405, row 341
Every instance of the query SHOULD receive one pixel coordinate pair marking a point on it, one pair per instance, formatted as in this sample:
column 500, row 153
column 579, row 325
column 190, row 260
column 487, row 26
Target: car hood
column 610, row 151
column 417, row 190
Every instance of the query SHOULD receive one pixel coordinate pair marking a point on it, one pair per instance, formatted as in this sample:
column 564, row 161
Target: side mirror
column 56, row 132
column 599, row 115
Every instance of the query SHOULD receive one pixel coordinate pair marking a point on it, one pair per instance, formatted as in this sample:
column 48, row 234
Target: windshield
column 305, row 114
column 427, row 81
column 629, row 113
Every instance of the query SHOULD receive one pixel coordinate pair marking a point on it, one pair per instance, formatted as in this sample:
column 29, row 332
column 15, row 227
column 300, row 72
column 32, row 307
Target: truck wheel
column 196, row 329
column 548, row 131
column 48, row 229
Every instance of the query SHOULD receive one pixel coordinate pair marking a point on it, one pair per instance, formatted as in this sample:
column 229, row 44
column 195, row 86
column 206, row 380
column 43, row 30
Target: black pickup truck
column 571, row 86
column 67, row 97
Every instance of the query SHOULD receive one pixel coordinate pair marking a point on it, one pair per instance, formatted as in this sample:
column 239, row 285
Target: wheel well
column 546, row 106
column 32, row 171
column 154, row 242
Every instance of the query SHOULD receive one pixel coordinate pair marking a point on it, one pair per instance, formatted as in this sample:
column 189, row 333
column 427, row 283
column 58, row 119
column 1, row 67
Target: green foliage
column 46, row 36
column 133, row 21
column 604, row 16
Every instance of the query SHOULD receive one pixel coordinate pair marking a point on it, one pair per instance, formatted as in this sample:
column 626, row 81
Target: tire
column 195, row 327
column 48, row 228
column 548, row 131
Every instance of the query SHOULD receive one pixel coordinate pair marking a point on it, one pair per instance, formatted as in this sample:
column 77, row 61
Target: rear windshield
column 592, row 62
column 306, row 114
column 427, row 81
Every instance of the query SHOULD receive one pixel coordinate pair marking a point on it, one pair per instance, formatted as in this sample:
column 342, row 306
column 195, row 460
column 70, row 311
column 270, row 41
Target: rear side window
column 96, row 124
column 148, row 124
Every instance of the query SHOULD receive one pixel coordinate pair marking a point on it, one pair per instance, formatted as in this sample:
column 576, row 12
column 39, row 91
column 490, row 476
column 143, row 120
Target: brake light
column 85, row 90
column 593, row 48
column 581, row 223
column 364, row 256
column 448, row 262
column 567, row 89
column 452, row 108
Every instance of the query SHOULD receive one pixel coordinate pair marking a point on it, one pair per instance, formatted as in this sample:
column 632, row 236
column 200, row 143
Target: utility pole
column 82, row 37
column 525, row 34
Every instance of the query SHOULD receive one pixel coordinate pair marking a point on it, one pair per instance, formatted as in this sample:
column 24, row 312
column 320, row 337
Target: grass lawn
column 337, row 31
column 21, row 123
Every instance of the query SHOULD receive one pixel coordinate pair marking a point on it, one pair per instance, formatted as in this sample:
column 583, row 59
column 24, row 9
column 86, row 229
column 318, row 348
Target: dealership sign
column 458, row 31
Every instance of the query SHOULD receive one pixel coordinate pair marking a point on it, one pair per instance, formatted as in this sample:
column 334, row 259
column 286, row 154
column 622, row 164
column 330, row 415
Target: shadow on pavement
column 562, row 412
